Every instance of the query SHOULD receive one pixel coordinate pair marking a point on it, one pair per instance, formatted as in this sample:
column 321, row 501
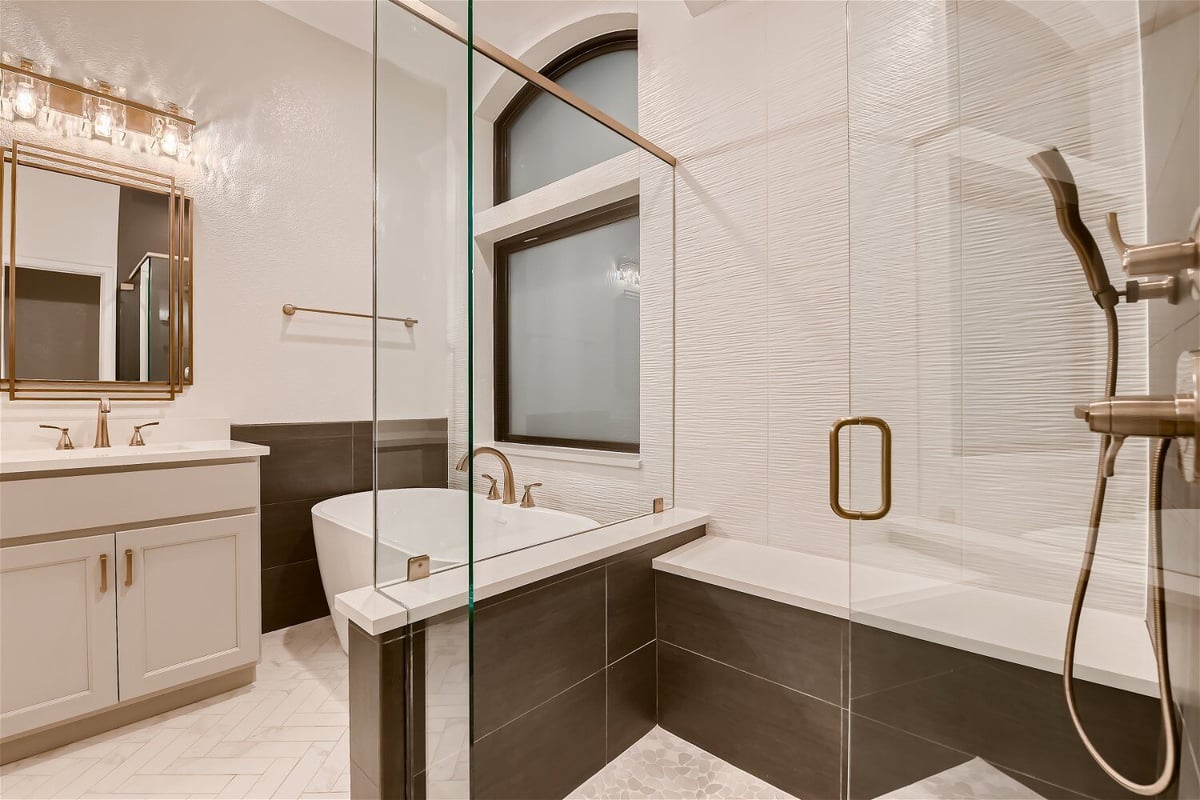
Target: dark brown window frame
column 598, row 46
column 581, row 223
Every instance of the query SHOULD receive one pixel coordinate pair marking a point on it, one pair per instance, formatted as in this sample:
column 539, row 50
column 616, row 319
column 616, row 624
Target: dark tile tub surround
column 564, row 681
column 565, row 676
column 787, row 694
column 310, row 462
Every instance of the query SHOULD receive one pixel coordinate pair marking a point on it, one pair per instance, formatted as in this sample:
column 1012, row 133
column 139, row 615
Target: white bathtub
column 416, row 522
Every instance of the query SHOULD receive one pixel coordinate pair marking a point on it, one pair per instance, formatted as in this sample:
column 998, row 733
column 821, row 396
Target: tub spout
column 509, row 492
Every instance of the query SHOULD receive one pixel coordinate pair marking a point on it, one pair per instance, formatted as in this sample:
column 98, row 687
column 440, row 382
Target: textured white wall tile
column 711, row 114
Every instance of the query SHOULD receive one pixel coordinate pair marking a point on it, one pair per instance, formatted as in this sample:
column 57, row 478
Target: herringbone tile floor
column 286, row 736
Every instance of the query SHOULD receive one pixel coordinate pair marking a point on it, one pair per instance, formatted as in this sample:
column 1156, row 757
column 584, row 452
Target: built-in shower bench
column 786, row 663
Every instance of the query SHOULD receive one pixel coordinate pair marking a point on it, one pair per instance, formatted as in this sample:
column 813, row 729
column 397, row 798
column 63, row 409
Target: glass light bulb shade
column 25, row 99
column 105, row 117
column 172, row 137
column 24, row 96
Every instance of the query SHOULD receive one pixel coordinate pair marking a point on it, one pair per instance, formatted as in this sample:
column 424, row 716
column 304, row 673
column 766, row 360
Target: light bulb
column 25, row 100
column 102, row 125
column 169, row 141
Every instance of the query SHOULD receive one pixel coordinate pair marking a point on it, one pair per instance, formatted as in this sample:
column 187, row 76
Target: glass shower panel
column 573, row 315
column 422, row 373
column 973, row 335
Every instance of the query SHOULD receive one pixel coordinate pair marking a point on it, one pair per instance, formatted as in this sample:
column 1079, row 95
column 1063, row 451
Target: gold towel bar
column 290, row 309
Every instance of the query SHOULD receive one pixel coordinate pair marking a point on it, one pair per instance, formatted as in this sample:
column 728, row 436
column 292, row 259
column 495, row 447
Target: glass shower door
column 973, row 336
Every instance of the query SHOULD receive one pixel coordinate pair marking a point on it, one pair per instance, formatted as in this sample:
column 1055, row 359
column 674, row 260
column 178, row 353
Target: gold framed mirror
column 97, row 279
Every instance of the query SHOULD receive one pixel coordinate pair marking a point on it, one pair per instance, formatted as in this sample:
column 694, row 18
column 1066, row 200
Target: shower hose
column 1157, row 619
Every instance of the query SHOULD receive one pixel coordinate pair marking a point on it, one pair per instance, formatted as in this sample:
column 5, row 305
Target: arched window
column 540, row 139
column 567, row 295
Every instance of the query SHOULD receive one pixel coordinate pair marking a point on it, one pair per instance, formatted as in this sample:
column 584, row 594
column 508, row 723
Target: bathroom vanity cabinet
column 125, row 591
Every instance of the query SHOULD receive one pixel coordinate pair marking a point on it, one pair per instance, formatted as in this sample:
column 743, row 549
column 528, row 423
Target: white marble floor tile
column 284, row 737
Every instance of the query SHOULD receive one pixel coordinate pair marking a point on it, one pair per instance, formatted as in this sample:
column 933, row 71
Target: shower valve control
column 1158, row 416
column 1178, row 261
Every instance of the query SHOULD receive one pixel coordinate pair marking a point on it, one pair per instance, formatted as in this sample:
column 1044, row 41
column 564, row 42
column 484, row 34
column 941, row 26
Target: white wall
column 282, row 179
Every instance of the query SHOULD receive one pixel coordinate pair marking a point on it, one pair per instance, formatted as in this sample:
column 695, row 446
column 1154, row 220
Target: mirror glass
column 92, row 294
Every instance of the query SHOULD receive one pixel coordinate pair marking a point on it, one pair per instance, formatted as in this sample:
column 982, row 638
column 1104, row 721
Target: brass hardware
column 69, row 87
column 510, row 494
column 493, row 492
column 103, row 573
column 658, row 505
column 495, row 54
column 1165, row 258
column 137, row 440
column 129, row 568
column 835, row 468
column 527, row 498
column 64, row 437
column 179, row 222
column 290, row 310
column 418, row 567
column 102, row 413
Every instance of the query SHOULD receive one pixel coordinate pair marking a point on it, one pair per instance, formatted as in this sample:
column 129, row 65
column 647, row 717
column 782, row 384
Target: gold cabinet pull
column 103, row 573
column 129, row 568
column 835, row 468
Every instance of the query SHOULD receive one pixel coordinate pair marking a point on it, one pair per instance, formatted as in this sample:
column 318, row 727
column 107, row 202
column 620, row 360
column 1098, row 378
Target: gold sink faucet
column 102, row 423
column 510, row 494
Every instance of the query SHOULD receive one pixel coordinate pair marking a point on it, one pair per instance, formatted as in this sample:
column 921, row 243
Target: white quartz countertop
column 16, row 462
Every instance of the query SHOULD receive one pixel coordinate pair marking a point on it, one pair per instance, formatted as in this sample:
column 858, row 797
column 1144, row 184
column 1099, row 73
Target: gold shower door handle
column 129, row 568
column 103, row 573
column 885, row 468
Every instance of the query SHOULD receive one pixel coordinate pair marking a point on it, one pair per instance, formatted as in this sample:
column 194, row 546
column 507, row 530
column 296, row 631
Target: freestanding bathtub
column 416, row 522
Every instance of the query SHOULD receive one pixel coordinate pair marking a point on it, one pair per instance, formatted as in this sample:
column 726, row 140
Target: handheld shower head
column 1053, row 168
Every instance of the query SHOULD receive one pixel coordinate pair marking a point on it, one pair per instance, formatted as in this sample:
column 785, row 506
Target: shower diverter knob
column 1175, row 416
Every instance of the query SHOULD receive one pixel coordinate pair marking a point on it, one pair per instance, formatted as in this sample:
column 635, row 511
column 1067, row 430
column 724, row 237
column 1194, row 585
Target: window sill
column 576, row 455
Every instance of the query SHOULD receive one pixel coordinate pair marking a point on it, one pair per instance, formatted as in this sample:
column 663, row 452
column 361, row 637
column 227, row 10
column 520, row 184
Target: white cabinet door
column 59, row 617
column 188, row 602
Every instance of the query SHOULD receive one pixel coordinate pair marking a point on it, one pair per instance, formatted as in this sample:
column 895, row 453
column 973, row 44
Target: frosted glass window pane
column 551, row 139
column 574, row 336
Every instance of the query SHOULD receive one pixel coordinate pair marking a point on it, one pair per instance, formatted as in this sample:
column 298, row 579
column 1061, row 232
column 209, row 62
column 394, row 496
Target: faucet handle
column 136, row 440
column 527, row 498
column 493, row 492
column 1143, row 260
column 64, row 437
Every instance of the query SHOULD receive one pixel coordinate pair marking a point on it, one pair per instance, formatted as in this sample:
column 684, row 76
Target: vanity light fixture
column 95, row 109
column 23, row 95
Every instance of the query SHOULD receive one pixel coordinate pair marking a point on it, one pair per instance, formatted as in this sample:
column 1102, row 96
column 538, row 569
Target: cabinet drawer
column 93, row 500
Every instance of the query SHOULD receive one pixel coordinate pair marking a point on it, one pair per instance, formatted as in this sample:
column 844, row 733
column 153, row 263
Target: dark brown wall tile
column 278, row 431
column 883, row 759
column 785, row 737
column 1015, row 717
column 632, row 698
column 287, row 532
column 792, row 646
column 533, row 646
column 378, row 732
column 881, row 660
column 301, row 468
column 292, row 594
column 546, row 753
column 631, row 611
